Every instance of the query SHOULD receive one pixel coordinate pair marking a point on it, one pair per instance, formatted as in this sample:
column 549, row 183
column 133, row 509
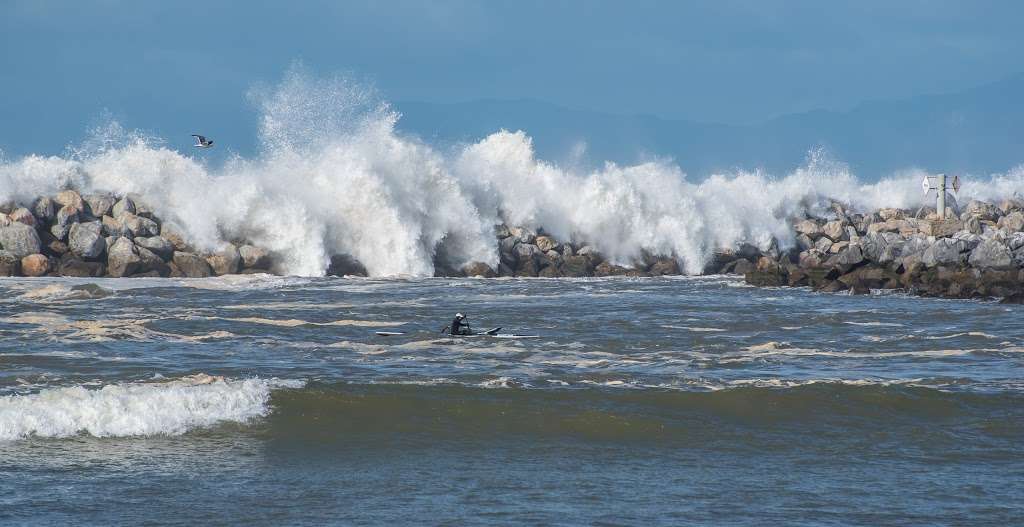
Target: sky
column 178, row 67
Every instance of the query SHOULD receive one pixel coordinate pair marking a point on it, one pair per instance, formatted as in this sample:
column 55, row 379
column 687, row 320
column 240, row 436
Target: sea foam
column 334, row 176
column 141, row 409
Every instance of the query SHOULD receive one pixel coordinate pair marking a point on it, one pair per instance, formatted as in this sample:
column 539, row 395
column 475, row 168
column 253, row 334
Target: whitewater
column 334, row 176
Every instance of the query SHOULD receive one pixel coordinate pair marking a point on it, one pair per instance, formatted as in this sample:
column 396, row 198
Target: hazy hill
column 980, row 130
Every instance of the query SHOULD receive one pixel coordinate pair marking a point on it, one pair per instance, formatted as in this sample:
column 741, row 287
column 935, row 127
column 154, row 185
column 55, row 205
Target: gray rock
column 501, row 231
column 834, row 230
column 151, row 263
column 567, row 250
column 4, row 220
column 70, row 198
column 981, row 210
column 823, row 244
column 71, row 265
column 576, row 266
column 43, row 208
column 589, row 251
column 158, row 245
column 507, row 249
column 22, row 215
column 138, row 225
column 526, row 251
column 10, row 264
column 991, row 254
column 225, row 261
column 546, row 243
column 804, row 242
column 123, row 206
column 808, row 227
column 99, row 205
column 523, row 234
column 115, row 227
column 175, row 234
column 1009, row 205
column 851, row 255
column 20, row 239
column 472, row 269
column 86, row 240
column 258, row 258
column 63, row 220
column 142, row 207
column 945, row 251
column 1012, row 222
column 123, row 258
column 973, row 225
column 192, row 265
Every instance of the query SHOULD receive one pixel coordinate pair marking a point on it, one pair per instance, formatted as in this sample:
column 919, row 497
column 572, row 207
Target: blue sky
column 175, row 67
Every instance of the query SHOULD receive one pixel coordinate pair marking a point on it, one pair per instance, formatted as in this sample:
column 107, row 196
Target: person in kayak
column 459, row 325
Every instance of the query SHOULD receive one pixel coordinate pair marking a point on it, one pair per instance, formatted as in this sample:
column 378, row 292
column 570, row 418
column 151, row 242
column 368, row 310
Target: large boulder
column 1010, row 205
column 1012, row 222
column 527, row 251
column 665, row 267
column 86, row 240
column 71, row 265
column 850, row 256
column 151, row 263
column 70, row 198
column 990, row 254
column 341, row 265
column 808, row 227
column 35, row 265
column 226, row 260
column 115, row 227
column 194, row 266
column 981, row 210
column 20, row 239
column 142, row 207
column 43, row 208
column 22, row 215
column 99, row 205
column 158, row 245
column 546, row 243
column 834, row 230
column 123, row 258
column 138, row 225
column 124, row 205
column 945, row 251
column 63, row 220
column 576, row 266
column 10, row 264
column 259, row 258
column 475, row 269
column 175, row 234
column 501, row 231
column 523, row 234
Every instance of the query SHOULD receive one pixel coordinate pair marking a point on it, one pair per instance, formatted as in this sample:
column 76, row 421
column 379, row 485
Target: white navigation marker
column 926, row 185
column 956, row 184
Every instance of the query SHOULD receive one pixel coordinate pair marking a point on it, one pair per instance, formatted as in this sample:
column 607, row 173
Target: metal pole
column 940, row 199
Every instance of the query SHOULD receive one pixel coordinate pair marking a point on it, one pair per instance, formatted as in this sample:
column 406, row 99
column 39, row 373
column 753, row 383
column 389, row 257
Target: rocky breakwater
column 525, row 252
column 106, row 235
column 977, row 252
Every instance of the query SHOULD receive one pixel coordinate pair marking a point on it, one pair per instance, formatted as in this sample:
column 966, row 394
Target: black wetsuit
column 459, row 327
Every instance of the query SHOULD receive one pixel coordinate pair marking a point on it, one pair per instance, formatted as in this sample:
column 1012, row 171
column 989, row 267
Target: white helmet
column 460, row 316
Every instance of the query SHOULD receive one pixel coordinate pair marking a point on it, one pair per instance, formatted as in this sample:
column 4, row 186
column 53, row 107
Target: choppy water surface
column 270, row 400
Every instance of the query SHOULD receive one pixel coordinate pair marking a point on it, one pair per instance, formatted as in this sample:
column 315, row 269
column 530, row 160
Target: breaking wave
column 333, row 176
column 142, row 409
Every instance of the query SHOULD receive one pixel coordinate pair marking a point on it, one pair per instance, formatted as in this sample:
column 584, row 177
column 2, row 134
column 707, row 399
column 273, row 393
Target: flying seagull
column 202, row 142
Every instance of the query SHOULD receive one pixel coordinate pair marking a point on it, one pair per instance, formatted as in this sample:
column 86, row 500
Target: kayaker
column 459, row 325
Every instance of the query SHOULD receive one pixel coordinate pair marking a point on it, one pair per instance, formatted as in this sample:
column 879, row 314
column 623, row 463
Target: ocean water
column 664, row 401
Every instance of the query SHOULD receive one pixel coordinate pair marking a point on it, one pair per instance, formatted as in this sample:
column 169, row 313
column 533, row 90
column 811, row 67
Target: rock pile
column 974, row 254
column 105, row 235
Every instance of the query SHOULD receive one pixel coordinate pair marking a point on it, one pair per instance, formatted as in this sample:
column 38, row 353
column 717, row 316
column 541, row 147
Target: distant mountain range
column 980, row 130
